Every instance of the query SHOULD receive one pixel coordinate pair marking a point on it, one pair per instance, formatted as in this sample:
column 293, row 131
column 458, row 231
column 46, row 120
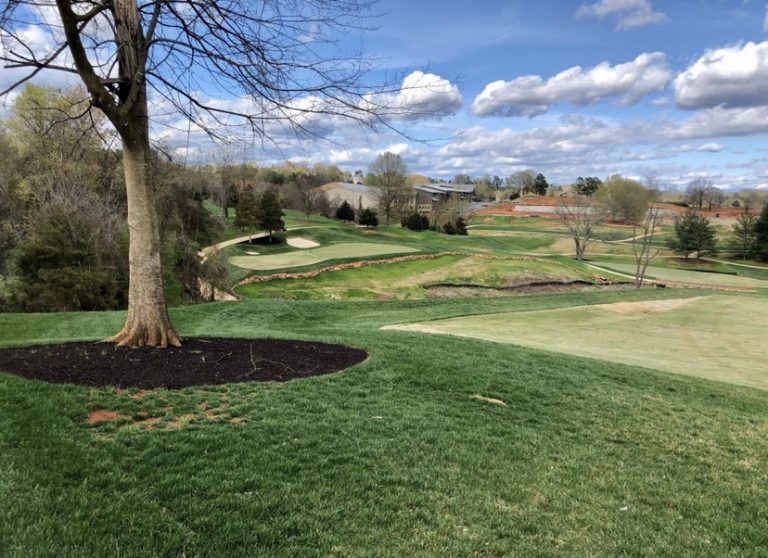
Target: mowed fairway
column 689, row 277
column 715, row 337
column 300, row 258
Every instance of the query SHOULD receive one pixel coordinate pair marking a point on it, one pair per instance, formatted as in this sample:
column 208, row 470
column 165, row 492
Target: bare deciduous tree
column 390, row 184
column 581, row 215
column 223, row 186
column 642, row 242
column 278, row 53
column 306, row 194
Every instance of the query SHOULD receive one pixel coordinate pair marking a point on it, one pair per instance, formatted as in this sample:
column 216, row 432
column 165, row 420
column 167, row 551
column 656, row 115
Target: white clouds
column 428, row 94
column 421, row 95
column 712, row 147
column 628, row 13
column 717, row 122
column 734, row 76
column 531, row 95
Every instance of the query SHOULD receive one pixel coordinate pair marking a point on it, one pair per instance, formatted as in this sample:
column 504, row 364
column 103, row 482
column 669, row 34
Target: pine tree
column 540, row 185
column 460, row 226
column 761, row 234
column 368, row 218
column 345, row 212
column 271, row 213
column 693, row 233
column 247, row 209
column 745, row 235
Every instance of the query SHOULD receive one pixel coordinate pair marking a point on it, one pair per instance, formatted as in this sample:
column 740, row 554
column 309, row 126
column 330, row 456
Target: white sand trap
column 252, row 253
column 648, row 306
column 298, row 242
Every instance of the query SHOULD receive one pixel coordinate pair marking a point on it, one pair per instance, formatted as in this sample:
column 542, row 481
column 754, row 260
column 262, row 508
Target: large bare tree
column 279, row 55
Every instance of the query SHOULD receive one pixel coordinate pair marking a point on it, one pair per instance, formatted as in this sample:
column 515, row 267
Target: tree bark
column 148, row 322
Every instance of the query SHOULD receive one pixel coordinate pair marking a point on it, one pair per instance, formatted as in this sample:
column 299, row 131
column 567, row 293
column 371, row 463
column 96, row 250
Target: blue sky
column 567, row 88
column 612, row 128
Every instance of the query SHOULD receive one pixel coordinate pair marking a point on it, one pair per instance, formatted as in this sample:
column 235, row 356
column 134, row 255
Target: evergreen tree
column 345, row 212
column 271, row 213
column 461, row 226
column 693, row 233
column 745, row 236
column 449, row 228
column 415, row 221
column 540, row 185
column 761, row 234
column 587, row 186
column 247, row 209
column 368, row 218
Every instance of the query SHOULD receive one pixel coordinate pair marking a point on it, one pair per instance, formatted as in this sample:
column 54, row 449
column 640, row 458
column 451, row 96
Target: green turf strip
column 688, row 276
column 301, row 258
column 706, row 337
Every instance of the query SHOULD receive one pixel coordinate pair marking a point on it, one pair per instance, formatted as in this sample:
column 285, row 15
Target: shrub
column 368, row 218
column 345, row 212
column 415, row 222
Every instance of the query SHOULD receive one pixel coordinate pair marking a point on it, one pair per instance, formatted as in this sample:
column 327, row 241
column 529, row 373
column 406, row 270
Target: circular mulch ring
column 201, row 361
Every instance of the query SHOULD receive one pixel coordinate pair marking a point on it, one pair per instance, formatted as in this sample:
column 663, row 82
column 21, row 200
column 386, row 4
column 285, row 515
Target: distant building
column 427, row 195
column 356, row 195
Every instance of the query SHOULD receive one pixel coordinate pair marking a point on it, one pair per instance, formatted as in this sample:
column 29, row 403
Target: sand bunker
column 648, row 306
column 252, row 253
column 298, row 242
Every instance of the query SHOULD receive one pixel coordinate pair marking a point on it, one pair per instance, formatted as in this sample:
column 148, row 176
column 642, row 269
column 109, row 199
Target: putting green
column 715, row 337
column 691, row 277
column 300, row 258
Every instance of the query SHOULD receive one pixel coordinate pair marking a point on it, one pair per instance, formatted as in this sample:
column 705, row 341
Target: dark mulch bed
column 210, row 361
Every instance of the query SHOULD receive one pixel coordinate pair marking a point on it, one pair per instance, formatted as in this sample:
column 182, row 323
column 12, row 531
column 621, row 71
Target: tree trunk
column 148, row 322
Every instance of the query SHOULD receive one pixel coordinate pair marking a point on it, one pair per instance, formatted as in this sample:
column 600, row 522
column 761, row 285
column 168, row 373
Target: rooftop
column 446, row 188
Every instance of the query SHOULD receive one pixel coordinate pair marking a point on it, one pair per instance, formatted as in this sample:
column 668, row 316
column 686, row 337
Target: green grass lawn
column 690, row 276
column 336, row 246
column 393, row 457
column 302, row 258
column 707, row 337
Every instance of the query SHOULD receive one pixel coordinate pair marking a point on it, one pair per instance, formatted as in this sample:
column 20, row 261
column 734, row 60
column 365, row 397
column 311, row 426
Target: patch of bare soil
column 691, row 261
column 466, row 291
column 202, row 361
column 649, row 306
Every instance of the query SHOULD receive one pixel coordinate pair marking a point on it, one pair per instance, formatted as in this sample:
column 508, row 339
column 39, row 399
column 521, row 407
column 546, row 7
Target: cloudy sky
column 676, row 87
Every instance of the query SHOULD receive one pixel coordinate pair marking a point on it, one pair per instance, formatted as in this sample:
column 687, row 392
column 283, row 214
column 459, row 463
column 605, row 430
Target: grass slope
column 690, row 276
column 407, row 279
column 390, row 458
column 707, row 337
